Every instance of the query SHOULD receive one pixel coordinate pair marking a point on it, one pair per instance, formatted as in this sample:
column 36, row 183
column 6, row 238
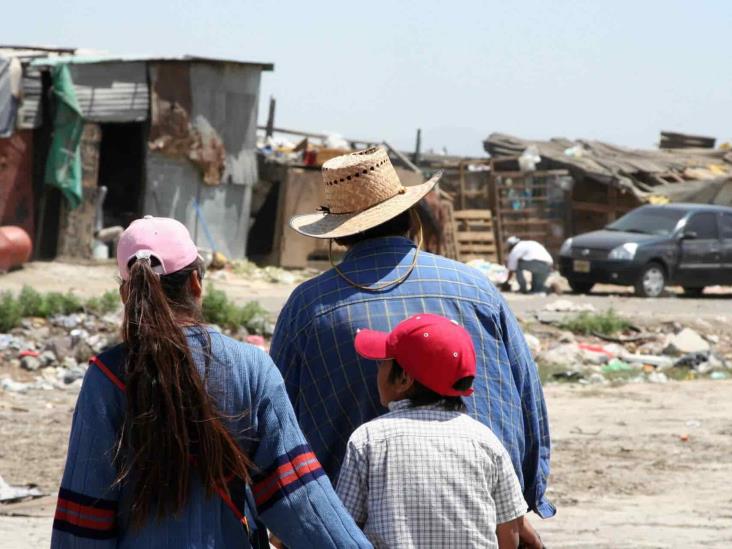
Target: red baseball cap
column 434, row 350
column 163, row 238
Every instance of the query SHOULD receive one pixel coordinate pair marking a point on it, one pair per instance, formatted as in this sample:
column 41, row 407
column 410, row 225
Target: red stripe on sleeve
column 286, row 480
column 86, row 523
column 281, row 471
column 85, row 509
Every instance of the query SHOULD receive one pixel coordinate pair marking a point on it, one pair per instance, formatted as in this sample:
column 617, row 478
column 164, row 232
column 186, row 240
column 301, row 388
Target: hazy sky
column 616, row 70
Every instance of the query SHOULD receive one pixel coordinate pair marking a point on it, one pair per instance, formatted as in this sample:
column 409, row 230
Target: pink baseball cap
column 434, row 350
column 163, row 238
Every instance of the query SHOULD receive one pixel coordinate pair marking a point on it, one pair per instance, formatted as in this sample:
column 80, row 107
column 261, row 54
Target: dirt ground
column 621, row 474
column 633, row 465
column 93, row 279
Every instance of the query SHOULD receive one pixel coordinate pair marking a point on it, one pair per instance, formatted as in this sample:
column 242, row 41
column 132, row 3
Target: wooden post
column 76, row 231
column 612, row 201
column 461, row 169
column 270, row 117
column 418, row 147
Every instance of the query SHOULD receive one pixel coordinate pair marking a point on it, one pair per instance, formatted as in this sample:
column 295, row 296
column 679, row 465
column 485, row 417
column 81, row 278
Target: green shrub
column 31, row 302
column 10, row 312
column 62, row 304
column 219, row 310
column 108, row 303
column 606, row 323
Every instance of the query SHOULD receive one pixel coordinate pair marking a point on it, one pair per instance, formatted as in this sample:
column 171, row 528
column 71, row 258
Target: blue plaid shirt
column 333, row 390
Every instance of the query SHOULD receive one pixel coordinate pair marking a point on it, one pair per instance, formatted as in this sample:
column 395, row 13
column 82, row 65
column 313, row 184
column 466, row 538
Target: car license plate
column 581, row 266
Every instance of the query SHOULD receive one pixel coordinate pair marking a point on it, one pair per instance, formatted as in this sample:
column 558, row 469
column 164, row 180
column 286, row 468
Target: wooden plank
column 530, row 234
column 475, row 248
column 521, row 187
column 473, row 214
column 522, row 175
column 486, row 236
column 530, row 222
column 509, row 199
column 522, row 211
column 592, row 207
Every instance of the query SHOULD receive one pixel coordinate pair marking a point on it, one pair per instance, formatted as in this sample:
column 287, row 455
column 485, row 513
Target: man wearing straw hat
column 383, row 279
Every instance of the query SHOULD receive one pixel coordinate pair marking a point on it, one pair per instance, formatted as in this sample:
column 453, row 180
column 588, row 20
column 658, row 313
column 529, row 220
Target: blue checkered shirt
column 333, row 390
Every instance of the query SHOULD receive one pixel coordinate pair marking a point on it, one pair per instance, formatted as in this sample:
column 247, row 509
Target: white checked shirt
column 428, row 478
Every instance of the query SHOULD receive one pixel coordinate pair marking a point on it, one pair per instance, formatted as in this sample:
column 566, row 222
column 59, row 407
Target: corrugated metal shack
column 609, row 180
column 165, row 136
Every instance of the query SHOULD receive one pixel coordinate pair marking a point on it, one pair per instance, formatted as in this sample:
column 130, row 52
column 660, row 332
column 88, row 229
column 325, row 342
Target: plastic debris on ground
column 251, row 271
column 567, row 306
column 11, row 494
column 617, row 365
column 495, row 272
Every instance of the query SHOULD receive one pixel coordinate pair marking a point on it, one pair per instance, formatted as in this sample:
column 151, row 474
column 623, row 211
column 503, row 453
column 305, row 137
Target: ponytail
column 171, row 427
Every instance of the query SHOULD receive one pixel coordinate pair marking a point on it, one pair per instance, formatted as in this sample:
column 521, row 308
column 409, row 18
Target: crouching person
column 426, row 474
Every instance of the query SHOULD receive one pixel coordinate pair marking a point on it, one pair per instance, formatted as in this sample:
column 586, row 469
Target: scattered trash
column 685, row 342
column 693, row 423
column 692, row 360
column 28, row 353
column 10, row 494
column 718, row 375
column 597, row 379
column 617, row 365
column 529, row 159
column 251, row 271
column 257, row 341
column 657, row 377
column 571, row 375
column 7, row 384
column 684, row 437
column 30, row 363
column 566, row 306
column 533, row 343
column 563, row 355
column 660, row 362
column 495, row 272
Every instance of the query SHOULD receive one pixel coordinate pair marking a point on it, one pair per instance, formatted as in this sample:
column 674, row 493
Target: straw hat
column 362, row 190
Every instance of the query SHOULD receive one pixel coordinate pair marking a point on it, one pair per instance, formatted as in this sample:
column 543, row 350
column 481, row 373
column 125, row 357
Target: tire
column 580, row 287
column 651, row 281
column 693, row 292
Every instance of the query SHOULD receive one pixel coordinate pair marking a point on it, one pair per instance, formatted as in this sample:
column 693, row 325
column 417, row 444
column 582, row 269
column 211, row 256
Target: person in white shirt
column 426, row 474
column 528, row 255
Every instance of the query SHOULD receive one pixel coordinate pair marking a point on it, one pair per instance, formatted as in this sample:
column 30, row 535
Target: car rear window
column 649, row 220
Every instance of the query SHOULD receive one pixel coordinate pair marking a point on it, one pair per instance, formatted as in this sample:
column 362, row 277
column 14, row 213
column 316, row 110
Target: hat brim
column 372, row 345
column 328, row 225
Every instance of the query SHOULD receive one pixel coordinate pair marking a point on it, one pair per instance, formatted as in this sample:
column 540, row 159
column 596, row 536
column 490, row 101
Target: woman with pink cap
column 183, row 437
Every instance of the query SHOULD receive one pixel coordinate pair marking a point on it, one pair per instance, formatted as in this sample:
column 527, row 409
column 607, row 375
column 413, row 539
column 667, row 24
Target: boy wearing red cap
column 426, row 474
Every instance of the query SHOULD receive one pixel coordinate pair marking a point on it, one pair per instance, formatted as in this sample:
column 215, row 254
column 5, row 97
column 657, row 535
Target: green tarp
column 63, row 167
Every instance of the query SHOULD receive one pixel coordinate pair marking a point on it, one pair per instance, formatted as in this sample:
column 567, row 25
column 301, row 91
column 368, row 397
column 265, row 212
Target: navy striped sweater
column 293, row 496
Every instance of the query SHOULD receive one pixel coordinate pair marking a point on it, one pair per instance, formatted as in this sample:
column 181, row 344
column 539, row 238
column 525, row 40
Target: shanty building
column 171, row 137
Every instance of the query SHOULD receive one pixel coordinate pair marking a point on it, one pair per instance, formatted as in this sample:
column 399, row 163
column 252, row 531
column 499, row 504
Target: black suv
column 684, row 244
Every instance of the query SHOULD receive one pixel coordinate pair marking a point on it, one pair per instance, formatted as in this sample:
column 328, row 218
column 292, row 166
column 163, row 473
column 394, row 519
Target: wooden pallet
column 450, row 244
column 475, row 235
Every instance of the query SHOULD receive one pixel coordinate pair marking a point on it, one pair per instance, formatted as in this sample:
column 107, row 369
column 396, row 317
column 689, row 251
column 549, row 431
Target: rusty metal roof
column 83, row 58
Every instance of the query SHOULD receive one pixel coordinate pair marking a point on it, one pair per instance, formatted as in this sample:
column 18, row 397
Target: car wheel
column 579, row 287
column 651, row 281
column 693, row 292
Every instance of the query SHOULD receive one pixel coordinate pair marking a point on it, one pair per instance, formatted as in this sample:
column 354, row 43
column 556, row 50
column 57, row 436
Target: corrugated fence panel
column 112, row 92
column 226, row 96
column 29, row 113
